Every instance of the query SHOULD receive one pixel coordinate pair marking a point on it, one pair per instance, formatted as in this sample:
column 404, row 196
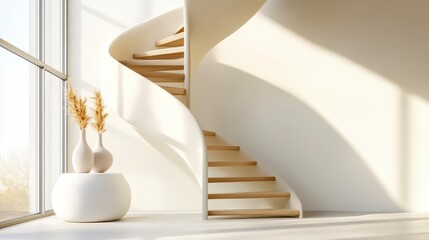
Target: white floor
column 174, row 226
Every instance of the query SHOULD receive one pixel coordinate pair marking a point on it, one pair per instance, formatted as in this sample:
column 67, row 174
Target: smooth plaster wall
column 333, row 95
column 157, row 183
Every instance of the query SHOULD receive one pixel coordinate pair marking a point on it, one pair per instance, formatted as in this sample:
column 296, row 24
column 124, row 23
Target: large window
column 33, row 79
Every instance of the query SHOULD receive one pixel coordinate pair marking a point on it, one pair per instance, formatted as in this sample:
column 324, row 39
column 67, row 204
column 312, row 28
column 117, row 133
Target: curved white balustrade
column 158, row 116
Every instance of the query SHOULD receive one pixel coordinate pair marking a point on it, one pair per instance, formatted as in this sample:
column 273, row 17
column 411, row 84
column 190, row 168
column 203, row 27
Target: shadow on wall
column 387, row 36
column 307, row 161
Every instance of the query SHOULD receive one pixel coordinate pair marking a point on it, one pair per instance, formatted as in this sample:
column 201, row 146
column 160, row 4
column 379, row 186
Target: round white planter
column 93, row 197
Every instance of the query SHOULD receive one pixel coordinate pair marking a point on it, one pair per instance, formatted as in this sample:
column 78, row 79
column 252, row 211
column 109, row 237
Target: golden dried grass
column 77, row 107
column 99, row 115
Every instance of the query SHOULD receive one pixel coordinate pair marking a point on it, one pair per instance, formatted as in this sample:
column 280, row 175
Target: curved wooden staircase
column 231, row 176
column 164, row 65
column 241, row 184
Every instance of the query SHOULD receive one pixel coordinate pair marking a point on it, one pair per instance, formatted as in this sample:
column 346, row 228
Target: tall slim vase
column 83, row 157
column 102, row 158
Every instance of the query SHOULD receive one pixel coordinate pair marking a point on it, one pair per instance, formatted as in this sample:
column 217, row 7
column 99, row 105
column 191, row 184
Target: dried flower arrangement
column 77, row 107
column 99, row 115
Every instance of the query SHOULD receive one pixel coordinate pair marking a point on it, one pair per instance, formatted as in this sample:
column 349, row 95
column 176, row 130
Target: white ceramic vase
column 102, row 158
column 83, row 157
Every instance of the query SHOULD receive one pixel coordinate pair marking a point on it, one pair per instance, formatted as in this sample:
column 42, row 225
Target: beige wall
column 157, row 183
column 333, row 95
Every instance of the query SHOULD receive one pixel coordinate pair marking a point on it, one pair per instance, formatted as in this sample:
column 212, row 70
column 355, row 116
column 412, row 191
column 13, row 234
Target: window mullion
column 64, row 34
column 64, row 18
column 41, row 139
column 41, row 107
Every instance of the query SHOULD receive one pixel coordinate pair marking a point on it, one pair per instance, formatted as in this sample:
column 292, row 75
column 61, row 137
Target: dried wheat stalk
column 99, row 115
column 77, row 107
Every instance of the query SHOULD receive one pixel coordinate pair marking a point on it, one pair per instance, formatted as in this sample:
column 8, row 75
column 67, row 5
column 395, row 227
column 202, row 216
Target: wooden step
column 223, row 147
column 166, row 53
column 142, row 66
column 176, row 40
column 209, row 133
column 180, row 29
column 231, row 163
column 248, row 195
column 164, row 76
column 256, row 213
column 174, row 90
column 241, row 179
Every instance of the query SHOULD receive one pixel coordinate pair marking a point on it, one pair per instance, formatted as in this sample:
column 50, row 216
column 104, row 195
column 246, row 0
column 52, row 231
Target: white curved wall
column 154, row 171
column 333, row 95
column 209, row 22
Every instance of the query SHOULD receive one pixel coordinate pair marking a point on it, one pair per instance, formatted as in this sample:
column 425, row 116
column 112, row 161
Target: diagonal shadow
column 387, row 37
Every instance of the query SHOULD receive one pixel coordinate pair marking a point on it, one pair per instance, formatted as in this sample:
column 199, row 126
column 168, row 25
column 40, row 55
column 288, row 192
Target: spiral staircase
column 232, row 183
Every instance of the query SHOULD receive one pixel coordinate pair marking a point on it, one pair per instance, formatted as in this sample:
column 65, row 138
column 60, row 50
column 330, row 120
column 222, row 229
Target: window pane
column 18, row 122
column 53, row 34
column 18, row 24
column 53, row 127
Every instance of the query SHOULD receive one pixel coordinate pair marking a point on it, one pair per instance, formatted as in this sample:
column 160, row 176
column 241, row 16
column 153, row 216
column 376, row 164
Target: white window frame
column 62, row 74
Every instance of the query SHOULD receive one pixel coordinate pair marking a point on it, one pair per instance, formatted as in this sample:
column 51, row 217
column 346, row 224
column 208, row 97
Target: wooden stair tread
column 231, row 163
column 241, row 179
column 166, row 53
column 209, row 133
column 143, row 69
column 223, row 147
column 171, row 41
column 175, row 90
column 256, row 212
column 138, row 62
column 164, row 76
column 180, row 29
column 239, row 195
column 142, row 66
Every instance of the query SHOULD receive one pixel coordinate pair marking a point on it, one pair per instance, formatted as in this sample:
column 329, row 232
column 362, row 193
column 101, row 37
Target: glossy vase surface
column 102, row 157
column 83, row 157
